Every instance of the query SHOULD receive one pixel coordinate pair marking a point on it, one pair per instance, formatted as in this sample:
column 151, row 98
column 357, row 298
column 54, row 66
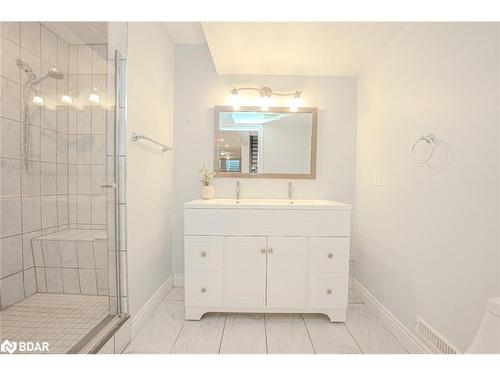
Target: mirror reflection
column 253, row 143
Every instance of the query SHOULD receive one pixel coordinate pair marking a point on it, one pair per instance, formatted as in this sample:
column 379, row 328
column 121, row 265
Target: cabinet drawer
column 203, row 253
column 328, row 290
column 329, row 254
column 203, row 289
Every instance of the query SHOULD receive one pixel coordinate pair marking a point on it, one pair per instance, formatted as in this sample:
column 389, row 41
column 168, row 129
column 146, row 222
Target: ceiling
column 185, row 32
column 288, row 48
column 80, row 32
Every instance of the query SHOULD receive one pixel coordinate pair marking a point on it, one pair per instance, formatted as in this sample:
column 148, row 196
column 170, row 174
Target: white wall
column 426, row 239
column 198, row 89
column 150, row 80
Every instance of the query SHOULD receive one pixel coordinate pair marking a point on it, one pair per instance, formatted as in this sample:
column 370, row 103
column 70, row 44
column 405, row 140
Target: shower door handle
column 109, row 186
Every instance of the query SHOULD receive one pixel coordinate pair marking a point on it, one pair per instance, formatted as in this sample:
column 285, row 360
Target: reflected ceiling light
column 266, row 94
column 226, row 145
column 66, row 99
column 37, row 100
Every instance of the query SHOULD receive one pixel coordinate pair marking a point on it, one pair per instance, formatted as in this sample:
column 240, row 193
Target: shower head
column 52, row 73
column 27, row 69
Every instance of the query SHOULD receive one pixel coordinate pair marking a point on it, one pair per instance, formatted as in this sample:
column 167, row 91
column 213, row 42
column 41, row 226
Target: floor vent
column 435, row 340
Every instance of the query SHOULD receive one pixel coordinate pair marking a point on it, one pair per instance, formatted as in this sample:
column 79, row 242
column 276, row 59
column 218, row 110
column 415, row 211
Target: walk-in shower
column 61, row 238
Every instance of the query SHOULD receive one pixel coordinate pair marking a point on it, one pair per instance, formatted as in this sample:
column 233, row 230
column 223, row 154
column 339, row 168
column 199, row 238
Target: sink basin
column 297, row 204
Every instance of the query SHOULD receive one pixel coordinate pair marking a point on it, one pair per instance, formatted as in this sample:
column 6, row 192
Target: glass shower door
column 62, row 112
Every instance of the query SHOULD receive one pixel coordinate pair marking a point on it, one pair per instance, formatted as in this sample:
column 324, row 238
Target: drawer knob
column 203, row 290
column 330, row 255
column 203, row 254
column 270, row 250
column 329, row 291
column 263, row 251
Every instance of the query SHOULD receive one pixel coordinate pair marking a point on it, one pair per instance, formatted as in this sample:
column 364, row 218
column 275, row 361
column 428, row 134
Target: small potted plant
column 207, row 190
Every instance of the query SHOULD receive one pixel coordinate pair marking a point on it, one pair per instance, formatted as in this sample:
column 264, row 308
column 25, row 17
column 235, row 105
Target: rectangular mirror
column 277, row 143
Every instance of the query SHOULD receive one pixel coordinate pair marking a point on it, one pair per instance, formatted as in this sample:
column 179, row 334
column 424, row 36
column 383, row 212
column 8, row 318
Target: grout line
column 177, row 337
column 223, row 331
column 308, row 333
column 355, row 341
column 265, row 333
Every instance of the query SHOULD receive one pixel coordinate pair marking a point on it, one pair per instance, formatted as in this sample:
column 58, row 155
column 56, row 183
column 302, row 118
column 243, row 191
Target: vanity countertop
column 268, row 204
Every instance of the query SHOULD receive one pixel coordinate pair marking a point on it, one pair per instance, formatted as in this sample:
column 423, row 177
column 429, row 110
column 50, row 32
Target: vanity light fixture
column 295, row 102
column 235, row 99
column 266, row 94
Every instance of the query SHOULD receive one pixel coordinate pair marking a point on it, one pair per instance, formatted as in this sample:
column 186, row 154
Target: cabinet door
column 244, row 271
column 286, row 272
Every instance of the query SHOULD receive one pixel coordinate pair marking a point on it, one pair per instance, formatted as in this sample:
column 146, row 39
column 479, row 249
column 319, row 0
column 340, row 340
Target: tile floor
column 60, row 319
column 167, row 332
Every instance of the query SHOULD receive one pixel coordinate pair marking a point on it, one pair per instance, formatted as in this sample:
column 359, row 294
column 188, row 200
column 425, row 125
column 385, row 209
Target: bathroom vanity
column 266, row 256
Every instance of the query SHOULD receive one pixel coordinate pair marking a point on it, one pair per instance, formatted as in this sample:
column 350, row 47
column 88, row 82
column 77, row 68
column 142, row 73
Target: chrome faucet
column 237, row 191
column 290, row 191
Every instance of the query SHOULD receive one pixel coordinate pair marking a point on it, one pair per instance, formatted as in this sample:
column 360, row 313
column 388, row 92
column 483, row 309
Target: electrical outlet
column 377, row 178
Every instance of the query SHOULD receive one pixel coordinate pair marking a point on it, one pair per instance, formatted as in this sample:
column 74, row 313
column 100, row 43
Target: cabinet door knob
column 263, row 251
column 330, row 255
column 203, row 254
column 270, row 250
column 328, row 291
column 203, row 290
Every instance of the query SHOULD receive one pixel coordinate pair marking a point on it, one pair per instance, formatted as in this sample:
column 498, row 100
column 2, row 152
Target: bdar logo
column 8, row 347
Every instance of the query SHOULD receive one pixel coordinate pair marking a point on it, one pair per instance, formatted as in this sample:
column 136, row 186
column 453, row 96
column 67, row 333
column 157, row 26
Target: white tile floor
column 60, row 319
column 167, row 332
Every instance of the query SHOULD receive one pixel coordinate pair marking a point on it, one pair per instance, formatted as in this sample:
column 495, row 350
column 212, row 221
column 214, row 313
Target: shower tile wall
column 60, row 187
column 87, row 139
column 34, row 201
column 71, row 266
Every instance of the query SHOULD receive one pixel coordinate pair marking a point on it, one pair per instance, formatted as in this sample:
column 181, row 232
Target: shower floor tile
column 59, row 319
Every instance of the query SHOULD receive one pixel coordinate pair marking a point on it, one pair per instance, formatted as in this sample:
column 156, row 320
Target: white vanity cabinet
column 266, row 256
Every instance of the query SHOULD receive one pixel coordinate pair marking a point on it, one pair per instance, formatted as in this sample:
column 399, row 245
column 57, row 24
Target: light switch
column 376, row 178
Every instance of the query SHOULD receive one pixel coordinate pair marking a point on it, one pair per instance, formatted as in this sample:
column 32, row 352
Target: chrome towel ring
column 430, row 139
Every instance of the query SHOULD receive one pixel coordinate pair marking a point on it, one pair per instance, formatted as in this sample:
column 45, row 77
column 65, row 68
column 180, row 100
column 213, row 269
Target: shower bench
column 72, row 261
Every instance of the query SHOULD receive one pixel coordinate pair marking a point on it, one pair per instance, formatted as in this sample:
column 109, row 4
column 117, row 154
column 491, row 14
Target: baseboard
column 407, row 338
column 137, row 321
column 178, row 279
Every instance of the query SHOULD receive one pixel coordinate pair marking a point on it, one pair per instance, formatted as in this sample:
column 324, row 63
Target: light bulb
column 295, row 102
column 235, row 99
column 265, row 102
column 37, row 100
column 66, row 99
column 94, row 98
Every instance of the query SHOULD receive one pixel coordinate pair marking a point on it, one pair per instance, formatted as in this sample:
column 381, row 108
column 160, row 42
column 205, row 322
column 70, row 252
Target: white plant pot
column 207, row 192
